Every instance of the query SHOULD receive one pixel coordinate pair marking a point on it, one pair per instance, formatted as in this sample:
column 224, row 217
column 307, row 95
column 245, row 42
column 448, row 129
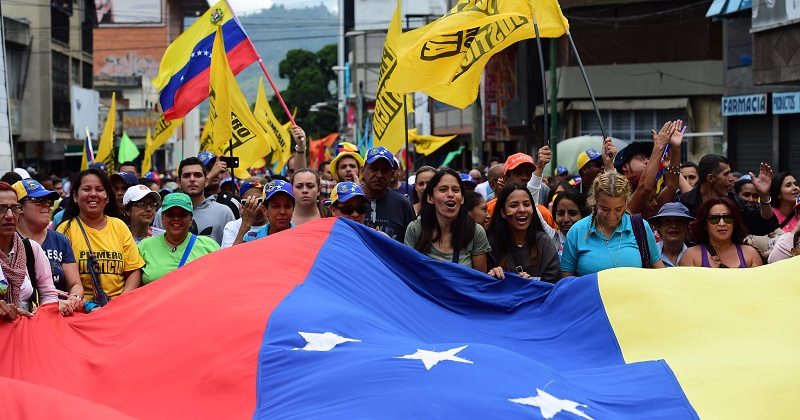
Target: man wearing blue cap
column 388, row 211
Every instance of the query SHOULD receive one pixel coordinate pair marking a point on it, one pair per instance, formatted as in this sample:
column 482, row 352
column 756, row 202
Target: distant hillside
column 275, row 31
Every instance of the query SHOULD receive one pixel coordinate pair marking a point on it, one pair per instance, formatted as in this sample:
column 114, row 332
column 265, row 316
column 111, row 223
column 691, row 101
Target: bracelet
column 765, row 203
column 674, row 170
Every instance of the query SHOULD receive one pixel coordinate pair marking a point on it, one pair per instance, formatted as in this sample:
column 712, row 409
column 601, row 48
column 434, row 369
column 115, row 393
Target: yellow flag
column 387, row 122
column 445, row 59
column 206, row 142
column 427, row 144
column 105, row 150
column 277, row 134
column 233, row 126
column 147, row 163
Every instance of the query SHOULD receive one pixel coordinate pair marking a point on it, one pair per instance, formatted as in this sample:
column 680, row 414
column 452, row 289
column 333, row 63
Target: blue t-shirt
column 587, row 251
column 59, row 251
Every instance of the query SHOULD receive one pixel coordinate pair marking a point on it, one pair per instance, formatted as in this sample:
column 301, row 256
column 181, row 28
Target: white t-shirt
column 232, row 229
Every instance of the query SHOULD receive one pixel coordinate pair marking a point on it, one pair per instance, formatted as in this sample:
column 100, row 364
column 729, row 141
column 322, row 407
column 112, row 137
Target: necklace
column 174, row 246
column 614, row 259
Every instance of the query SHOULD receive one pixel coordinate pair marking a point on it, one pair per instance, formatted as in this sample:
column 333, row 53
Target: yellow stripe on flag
column 731, row 339
column 233, row 126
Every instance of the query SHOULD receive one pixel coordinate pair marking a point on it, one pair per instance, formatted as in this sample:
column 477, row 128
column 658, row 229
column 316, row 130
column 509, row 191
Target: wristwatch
column 766, row 203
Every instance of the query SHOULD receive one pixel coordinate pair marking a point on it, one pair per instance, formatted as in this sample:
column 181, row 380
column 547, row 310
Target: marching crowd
column 86, row 241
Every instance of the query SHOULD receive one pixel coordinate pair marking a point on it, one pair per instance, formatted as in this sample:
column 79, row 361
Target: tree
column 311, row 81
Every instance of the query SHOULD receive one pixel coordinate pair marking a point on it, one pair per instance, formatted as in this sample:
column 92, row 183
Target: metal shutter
column 753, row 143
column 793, row 140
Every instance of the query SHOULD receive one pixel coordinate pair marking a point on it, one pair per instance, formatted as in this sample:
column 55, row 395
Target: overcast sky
column 245, row 6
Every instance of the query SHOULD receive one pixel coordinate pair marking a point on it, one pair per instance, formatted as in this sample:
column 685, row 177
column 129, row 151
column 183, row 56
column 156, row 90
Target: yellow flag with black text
column 276, row 132
column 445, row 58
column 427, row 144
column 206, row 140
column 387, row 121
column 105, row 150
column 233, row 126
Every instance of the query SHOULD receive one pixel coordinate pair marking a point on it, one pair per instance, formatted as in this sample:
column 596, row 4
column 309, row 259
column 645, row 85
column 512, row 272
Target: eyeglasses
column 144, row 205
column 715, row 218
column 348, row 210
column 42, row 202
column 15, row 208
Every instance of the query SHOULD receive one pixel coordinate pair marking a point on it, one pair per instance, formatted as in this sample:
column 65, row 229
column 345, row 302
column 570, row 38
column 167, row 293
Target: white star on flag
column 432, row 358
column 193, row 54
column 323, row 342
column 550, row 405
column 181, row 78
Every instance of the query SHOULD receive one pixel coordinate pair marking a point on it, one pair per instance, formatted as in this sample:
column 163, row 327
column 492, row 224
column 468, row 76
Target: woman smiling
column 176, row 247
column 444, row 230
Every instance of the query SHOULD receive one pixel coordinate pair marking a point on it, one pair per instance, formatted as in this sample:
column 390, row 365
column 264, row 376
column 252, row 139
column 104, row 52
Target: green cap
column 177, row 200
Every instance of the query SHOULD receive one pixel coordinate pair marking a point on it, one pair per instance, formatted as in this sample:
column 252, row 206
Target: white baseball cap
column 138, row 192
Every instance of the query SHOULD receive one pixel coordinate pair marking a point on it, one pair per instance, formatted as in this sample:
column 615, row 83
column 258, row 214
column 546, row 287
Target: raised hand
column 763, row 180
column 676, row 138
column 609, row 150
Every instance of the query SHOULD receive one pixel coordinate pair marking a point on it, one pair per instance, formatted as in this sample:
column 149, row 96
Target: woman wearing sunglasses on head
column 140, row 205
column 349, row 201
column 718, row 230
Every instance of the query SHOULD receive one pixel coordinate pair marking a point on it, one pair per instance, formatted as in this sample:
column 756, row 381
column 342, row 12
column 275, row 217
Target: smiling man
column 388, row 211
column 209, row 215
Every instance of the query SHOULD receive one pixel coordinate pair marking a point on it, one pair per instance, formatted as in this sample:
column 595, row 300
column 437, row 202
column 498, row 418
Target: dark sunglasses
column 43, row 202
column 144, row 204
column 348, row 210
column 715, row 218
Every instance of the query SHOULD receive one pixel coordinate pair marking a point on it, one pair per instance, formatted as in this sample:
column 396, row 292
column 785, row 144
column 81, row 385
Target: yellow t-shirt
column 114, row 248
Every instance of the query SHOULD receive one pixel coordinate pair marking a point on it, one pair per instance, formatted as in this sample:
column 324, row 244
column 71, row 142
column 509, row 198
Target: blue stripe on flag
column 375, row 311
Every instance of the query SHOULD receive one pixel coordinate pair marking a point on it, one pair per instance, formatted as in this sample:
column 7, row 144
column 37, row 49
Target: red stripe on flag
column 184, row 346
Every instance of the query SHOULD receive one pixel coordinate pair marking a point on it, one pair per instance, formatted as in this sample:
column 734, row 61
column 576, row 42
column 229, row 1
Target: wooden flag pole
column 588, row 86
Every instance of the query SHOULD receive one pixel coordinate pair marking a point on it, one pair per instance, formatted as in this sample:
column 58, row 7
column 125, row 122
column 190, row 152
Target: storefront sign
column 744, row 105
column 786, row 103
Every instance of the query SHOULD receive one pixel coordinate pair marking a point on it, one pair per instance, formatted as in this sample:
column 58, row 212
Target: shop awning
column 628, row 104
column 726, row 7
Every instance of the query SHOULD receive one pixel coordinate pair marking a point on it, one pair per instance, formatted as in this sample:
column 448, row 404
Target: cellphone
column 231, row 161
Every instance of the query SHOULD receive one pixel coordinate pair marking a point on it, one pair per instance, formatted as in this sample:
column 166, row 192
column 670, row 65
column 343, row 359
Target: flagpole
column 405, row 120
column 586, row 80
column 264, row 69
column 544, row 81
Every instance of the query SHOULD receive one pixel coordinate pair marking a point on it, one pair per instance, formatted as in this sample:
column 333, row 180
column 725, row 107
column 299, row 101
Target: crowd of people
column 85, row 241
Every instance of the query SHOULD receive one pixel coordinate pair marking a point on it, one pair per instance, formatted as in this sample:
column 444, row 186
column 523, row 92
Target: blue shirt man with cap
column 672, row 224
column 388, row 211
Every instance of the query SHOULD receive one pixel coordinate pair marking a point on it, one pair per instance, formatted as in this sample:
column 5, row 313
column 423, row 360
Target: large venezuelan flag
column 183, row 74
column 333, row 320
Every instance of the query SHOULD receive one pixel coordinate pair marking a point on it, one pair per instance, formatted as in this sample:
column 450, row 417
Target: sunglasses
column 348, row 210
column 144, row 205
column 715, row 218
column 43, row 202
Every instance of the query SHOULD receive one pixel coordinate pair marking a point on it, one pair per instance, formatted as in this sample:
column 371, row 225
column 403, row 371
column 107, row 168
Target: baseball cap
column 516, row 160
column 628, row 152
column 153, row 176
column 33, row 189
column 345, row 149
column 380, row 152
column 138, row 192
column 206, row 158
column 99, row 166
column 247, row 185
column 177, row 200
column 674, row 209
column 344, row 191
column 22, row 172
column 561, row 170
column 587, row 156
column 128, row 178
column 276, row 187
column 465, row 178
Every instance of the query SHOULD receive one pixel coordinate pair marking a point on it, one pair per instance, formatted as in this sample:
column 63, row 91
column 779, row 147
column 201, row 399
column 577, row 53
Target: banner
column 85, row 110
column 234, row 129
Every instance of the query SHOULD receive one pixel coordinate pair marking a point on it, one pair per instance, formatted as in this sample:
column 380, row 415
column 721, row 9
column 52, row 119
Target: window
column 59, row 25
column 87, row 75
column 628, row 125
column 61, row 105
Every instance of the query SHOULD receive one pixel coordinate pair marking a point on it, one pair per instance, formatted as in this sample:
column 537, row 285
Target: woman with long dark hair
column 517, row 238
column 444, row 231
column 569, row 207
column 107, row 255
column 719, row 232
column 421, row 179
column 783, row 194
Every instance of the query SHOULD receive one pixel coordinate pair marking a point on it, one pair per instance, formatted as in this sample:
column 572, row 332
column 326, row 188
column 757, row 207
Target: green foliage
column 311, row 81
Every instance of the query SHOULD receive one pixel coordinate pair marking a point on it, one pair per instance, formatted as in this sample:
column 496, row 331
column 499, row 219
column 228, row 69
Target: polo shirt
column 587, row 251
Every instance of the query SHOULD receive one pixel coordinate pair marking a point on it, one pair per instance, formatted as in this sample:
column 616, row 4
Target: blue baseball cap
column 247, row 185
column 561, row 170
column 33, row 189
column 127, row 178
column 206, row 158
column 276, row 187
column 345, row 191
column 99, row 166
column 465, row 178
column 380, row 152
column 587, row 156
